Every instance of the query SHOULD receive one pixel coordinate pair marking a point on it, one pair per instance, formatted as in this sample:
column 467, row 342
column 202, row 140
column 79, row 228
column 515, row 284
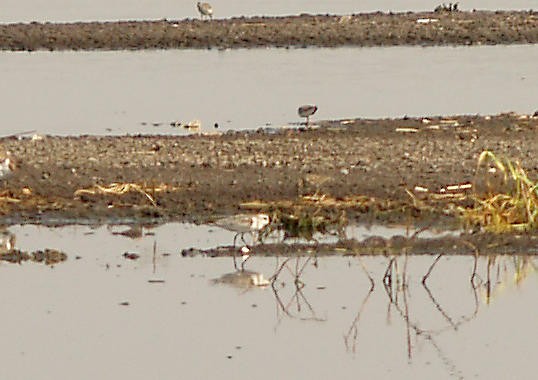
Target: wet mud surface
column 464, row 244
column 393, row 170
column 371, row 29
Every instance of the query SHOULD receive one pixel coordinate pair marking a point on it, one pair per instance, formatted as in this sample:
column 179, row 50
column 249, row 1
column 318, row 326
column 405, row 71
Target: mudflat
column 367, row 29
column 371, row 168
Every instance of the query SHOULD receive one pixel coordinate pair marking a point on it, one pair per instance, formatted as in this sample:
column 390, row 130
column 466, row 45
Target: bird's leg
column 244, row 260
column 243, row 238
column 235, row 238
column 257, row 237
column 235, row 262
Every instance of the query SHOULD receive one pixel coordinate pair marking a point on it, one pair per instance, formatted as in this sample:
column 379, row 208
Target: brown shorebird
column 205, row 9
column 307, row 111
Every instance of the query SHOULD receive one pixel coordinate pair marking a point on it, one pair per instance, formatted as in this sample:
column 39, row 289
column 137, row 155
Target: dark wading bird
column 205, row 9
column 307, row 111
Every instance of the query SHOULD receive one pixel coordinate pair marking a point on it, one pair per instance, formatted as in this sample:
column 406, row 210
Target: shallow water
column 85, row 10
column 127, row 92
column 69, row 322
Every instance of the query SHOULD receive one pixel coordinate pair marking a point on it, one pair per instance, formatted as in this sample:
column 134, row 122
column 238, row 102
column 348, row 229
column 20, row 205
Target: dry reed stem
column 124, row 188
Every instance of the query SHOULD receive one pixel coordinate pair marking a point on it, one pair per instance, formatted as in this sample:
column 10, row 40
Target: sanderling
column 205, row 9
column 243, row 223
column 307, row 111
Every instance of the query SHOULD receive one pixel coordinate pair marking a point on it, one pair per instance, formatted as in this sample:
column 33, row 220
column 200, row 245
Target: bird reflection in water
column 7, row 241
column 243, row 279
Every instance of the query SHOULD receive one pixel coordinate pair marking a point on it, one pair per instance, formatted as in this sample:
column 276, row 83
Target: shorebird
column 243, row 223
column 205, row 9
column 7, row 167
column 307, row 111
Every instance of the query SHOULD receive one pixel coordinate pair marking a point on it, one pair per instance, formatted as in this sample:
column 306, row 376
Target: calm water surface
column 74, row 10
column 68, row 321
column 142, row 92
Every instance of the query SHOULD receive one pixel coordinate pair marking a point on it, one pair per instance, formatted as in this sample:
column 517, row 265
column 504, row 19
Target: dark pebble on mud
column 190, row 252
column 131, row 256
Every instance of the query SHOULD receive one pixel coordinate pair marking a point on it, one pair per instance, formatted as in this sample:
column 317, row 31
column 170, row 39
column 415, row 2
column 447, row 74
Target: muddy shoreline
column 367, row 167
column 368, row 29
column 388, row 171
column 462, row 245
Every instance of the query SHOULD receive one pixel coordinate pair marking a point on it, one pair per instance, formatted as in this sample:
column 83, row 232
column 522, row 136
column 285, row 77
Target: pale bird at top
column 205, row 9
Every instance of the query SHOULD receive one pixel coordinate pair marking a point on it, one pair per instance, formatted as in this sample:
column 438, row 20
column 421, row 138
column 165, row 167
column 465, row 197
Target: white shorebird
column 205, row 9
column 243, row 223
column 307, row 111
column 7, row 167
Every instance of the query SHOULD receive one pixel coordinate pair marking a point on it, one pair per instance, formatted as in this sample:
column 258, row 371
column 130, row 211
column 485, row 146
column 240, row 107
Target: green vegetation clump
column 512, row 206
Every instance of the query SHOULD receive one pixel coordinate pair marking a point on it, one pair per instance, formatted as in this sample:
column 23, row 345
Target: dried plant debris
column 509, row 200
column 118, row 189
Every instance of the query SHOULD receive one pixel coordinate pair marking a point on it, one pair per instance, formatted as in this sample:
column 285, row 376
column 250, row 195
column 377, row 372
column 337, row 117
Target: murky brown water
column 72, row 320
column 64, row 10
column 129, row 92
